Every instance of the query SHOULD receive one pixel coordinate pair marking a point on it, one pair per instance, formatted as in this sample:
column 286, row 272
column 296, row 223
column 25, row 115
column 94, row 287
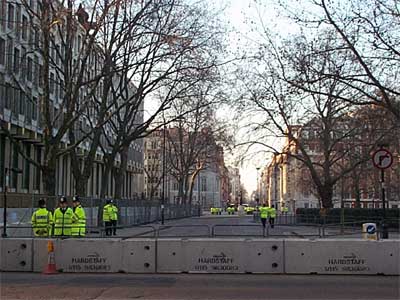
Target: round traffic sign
column 371, row 229
column 382, row 159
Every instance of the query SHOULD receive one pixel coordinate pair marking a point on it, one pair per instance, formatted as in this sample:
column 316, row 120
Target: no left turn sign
column 382, row 159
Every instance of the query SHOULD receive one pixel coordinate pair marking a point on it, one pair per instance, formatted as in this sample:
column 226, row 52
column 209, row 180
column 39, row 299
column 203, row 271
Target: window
column 395, row 206
column 10, row 19
column 22, row 102
column 2, row 51
column 306, row 205
column 204, row 184
column 24, row 28
column 9, row 55
column 37, row 170
column 29, row 70
column 8, row 90
column 34, row 108
column 2, row 158
column 16, row 61
column 14, row 175
column 36, row 72
column 29, row 105
column 18, row 21
column 2, row 92
column 27, row 168
column 23, row 64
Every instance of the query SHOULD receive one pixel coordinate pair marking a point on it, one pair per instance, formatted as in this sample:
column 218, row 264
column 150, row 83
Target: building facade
column 21, row 89
column 286, row 181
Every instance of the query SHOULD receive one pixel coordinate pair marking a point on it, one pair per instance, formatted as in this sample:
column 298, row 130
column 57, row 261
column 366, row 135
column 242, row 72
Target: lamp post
column 258, row 188
column 163, row 174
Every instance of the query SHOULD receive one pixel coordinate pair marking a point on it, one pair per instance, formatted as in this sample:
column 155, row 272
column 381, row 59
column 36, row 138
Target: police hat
column 63, row 199
column 108, row 201
column 76, row 199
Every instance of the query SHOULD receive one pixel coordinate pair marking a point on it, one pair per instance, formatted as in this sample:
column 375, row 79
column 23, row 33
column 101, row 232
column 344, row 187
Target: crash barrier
column 204, row 255
column 342, row 256
column 219, row 256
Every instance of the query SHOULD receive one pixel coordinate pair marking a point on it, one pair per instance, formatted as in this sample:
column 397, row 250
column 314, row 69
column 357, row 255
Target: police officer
column 263, row 214
column 272, row 215
column 42, row 220
column 78, row 218
column 113, row 217
column 106, row 217
column 63, row 218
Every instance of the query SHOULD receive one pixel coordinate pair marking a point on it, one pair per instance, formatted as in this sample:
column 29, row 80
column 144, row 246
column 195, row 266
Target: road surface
column 32, row 286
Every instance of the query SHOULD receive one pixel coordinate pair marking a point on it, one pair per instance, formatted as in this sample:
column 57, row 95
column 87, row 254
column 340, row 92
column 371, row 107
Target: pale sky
column 243, row 16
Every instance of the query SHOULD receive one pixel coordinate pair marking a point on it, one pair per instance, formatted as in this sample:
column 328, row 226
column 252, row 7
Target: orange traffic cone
column 51, row 262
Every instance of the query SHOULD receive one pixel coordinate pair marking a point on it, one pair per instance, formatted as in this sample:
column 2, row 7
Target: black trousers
column 263, row 221
column 272, row 222
column 107, row 224
column 114, row 227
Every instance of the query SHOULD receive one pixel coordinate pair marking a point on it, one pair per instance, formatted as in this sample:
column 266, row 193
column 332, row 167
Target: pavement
column 195, row 286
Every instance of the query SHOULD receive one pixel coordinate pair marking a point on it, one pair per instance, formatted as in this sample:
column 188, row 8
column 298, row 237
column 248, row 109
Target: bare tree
column 171, row 48
column 301, row 103
column 368, row 32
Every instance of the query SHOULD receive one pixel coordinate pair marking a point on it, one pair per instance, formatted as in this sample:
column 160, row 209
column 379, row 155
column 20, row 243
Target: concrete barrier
column 40, row 254
column 89, row 255
column 220, row 256
column 342, row 256
column 16, row 254
column 264, row 256
column 215, row 256
column 139, row 256
column 170, row 256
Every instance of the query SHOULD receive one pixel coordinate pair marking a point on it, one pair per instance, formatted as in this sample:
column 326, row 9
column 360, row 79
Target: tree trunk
column 108, row 164
column 49, row 180
column 326, row 193
column 357, row 192
column 119, row 174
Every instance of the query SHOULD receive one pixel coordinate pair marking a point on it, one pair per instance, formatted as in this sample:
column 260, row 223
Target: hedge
column 333, row 215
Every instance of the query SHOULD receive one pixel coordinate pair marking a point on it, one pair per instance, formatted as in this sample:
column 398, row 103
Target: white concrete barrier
column 215, row 256
column 16, row 254
column 89, row 255
column 264, row 256
column 139, row 256
column 342, row 256
column 220, row 256
column 40, row 254
column 170, row 256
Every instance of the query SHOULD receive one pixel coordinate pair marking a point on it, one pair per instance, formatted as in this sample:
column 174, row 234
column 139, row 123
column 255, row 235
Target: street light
column 258, row 191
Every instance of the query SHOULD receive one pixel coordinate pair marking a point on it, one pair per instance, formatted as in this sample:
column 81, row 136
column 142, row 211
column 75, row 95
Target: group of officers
column 67, row 221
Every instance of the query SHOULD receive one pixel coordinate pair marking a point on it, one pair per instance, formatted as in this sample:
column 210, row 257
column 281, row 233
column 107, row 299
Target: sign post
column 382, row 160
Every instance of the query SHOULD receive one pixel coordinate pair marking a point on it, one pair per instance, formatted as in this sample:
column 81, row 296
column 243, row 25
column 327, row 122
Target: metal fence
column 131, row 212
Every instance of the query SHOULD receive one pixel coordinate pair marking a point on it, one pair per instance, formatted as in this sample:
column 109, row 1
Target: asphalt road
column 196, row 286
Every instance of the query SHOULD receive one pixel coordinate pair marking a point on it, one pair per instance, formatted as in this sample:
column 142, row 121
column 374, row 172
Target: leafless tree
column 299, row 102
column 368, row 32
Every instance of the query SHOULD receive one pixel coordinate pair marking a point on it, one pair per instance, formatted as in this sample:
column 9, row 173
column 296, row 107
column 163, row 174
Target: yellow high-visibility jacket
column 78, row 221
column 42, row 222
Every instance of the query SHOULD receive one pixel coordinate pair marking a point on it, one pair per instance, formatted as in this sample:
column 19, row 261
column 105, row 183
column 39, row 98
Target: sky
column 242, row 16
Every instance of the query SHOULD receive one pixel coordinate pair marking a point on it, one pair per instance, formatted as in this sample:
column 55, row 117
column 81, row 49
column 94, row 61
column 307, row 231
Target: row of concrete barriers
column 322, row 256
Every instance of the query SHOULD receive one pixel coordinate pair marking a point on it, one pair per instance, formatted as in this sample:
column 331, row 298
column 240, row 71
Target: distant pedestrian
column 78, row 218
column 42, row 220
column 263, row 214
column 272, row 215
column 110, row 217
column 63, row 218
